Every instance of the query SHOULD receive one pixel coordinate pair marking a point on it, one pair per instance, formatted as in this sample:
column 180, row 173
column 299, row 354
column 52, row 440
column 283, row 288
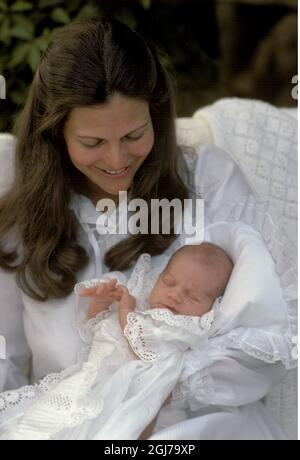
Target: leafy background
column 188, row 35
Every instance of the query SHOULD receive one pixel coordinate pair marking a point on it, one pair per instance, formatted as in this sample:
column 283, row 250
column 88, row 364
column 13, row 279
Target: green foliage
column 26, row 28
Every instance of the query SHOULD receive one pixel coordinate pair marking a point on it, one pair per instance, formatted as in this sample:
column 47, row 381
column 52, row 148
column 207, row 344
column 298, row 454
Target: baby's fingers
column 110, row 286
column 124, row 289
column 100, row 290
column 125, row 293
column 88, row 292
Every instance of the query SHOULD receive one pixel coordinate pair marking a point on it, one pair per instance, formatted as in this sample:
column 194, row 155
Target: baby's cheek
column 154, row 296
column 150, row 298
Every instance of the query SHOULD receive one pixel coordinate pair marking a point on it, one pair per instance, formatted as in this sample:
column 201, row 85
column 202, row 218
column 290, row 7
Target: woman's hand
column 103, row 295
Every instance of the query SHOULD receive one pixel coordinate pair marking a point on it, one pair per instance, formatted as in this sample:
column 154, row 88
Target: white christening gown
column 115, row 393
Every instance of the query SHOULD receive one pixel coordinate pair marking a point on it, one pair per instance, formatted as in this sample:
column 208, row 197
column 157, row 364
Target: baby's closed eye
column 193, row 298
column 168, row 281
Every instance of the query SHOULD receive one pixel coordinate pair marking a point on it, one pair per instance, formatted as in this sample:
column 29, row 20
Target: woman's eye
column 134, row 138
column 91, row 146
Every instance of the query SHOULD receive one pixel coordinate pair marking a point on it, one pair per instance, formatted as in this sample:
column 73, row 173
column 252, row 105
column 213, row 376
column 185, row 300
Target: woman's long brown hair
column 85, row 64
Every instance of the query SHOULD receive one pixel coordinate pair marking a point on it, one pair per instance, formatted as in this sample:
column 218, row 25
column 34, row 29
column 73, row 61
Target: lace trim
column 134, row 333
column 13, row 398
column 189, row 323
column 51, row 405
column 268, row 347
column 150, row 352
column 86, row 329
column 142, row 280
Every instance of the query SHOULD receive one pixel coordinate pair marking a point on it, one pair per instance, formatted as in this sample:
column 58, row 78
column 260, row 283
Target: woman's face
column 108, row 143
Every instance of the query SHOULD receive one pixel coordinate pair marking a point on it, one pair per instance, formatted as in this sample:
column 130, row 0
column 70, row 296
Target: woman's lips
column 114, row 174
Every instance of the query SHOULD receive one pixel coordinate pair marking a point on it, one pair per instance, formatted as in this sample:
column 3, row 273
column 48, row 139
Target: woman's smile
column 114, row 174
column 108, row 143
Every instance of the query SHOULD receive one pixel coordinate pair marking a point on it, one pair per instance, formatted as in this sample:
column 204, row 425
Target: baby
column 113, row 393
column 193, row 279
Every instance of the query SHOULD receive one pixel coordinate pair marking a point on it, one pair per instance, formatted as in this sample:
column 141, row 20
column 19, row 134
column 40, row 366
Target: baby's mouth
column 161, row 305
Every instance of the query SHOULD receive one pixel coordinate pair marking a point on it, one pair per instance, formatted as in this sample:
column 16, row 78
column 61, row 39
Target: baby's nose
column 174, row 296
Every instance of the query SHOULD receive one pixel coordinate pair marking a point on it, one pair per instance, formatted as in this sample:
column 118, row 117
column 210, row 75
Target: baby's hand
column 127, row 301
column 126, row 305
column 103, row 295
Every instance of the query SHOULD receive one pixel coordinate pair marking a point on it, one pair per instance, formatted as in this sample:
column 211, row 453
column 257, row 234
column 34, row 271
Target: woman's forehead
column 118, row 109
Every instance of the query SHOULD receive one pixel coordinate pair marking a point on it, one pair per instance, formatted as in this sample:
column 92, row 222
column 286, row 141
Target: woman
column 99, row 119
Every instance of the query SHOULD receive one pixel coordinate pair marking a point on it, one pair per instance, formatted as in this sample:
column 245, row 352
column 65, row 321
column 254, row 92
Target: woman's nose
column 115, row 157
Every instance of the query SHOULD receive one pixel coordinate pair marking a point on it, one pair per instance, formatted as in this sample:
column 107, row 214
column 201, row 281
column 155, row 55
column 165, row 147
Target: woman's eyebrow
column 128, row 134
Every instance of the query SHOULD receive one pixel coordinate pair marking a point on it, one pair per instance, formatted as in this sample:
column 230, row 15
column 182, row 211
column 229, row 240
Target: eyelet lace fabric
column 142, row 280
column 192, row 324
column 134, row 332
column 66, row 400
column 86, row 329
column 48, row 405
column 61, row 400
column 180, row 330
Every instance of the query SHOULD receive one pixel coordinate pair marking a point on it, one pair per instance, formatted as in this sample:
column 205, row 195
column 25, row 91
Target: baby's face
column 184, row 287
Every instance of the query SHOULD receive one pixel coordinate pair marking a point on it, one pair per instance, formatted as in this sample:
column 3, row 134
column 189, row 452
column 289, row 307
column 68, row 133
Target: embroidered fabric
column 180, row 329
column 59, row 401
column 262, row 140
column 134, row 332
column 86, row 328
column 142, row 280
column 64, row 401
column 192, row 324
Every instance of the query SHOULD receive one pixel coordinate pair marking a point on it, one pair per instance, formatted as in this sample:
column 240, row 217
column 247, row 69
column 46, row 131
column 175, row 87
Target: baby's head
column 194, row 277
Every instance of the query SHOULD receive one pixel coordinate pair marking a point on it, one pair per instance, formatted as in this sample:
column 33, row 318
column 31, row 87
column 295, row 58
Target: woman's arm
column 14, row 369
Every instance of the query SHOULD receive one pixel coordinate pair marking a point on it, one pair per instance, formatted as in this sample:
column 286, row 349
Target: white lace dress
column 118, row 390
